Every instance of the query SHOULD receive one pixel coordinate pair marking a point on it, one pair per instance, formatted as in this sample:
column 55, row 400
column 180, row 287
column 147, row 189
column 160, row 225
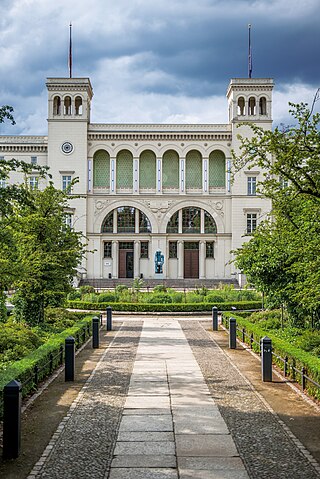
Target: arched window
column 67, row 105
column 192, row 222
column 209, row 224
column 107, row 225
column 124, row 170
column 57, row 105
column 128, row 220
column 78, row 105
column 241, row 106
column 101, row 169
column 144, row 223
column 194, row 170
column 147, row 170
column 173, row 224
column 191, row 219
column 252, row 106
column 170, row 170
column 262, row 106
column 217, row 169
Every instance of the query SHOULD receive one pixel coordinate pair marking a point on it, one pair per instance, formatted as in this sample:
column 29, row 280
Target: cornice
column 23, row 144
column 159, row 132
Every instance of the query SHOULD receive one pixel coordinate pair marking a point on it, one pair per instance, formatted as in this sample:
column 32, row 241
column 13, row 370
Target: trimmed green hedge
column 296, row 357
column 164, row 307
column 24, row 369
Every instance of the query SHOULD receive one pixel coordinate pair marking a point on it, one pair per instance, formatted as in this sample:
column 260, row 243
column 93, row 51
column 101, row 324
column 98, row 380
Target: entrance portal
column 191, row 259
column 126, row 260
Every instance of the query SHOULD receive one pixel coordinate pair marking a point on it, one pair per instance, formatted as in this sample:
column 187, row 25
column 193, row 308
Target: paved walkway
column 171, row 426
column 170, row 405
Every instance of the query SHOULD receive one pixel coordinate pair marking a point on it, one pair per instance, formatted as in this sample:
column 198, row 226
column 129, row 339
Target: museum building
column 148, row 191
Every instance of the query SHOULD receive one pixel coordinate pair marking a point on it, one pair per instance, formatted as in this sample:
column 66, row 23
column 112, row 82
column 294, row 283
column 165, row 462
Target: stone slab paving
column 180, row 408
column 268, row 450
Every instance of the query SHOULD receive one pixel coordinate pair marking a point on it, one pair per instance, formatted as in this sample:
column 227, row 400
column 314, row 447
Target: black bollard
column 109, row 318
column 232, row 333
column 70, row 358
column 214, row 318
column 266, row 359
column 95, row 332
column 11, row 420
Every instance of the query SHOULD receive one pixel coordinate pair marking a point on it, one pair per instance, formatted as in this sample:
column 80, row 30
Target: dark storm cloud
column 167, row 49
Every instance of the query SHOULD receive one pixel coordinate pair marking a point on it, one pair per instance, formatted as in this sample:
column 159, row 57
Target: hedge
column 164, row 307
column 296, row 357
column 24, row 369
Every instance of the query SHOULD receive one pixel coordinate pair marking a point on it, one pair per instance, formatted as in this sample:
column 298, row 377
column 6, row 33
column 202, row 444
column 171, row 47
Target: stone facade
column 145, row 188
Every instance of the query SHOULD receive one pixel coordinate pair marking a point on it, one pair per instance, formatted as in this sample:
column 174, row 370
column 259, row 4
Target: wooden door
column 191, row 263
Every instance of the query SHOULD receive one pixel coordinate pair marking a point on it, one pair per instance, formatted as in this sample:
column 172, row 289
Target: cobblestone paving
column 85, row 440
column 263, row 444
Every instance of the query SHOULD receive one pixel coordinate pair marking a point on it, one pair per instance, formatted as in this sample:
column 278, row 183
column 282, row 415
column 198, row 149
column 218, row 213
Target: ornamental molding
column 100, row 205
column 158, row 207
column 217, row 206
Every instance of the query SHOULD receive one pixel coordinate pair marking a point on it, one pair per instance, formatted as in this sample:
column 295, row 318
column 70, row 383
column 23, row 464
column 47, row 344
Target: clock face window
column 67, row 147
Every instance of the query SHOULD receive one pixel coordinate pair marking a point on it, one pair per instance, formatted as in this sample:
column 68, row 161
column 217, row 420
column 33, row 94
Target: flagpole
column 249, row 53
column 70, row 51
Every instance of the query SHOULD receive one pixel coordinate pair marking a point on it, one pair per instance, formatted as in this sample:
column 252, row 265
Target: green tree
column 47, row 253
column 283, row 256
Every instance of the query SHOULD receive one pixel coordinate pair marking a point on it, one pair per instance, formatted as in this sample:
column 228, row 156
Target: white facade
column 145, row 188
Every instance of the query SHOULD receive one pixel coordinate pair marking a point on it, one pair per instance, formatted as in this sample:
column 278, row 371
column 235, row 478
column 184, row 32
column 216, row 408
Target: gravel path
column 83, row 445
column 263, row 444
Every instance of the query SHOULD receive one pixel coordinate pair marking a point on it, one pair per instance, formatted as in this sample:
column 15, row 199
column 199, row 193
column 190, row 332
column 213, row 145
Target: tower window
column 252, row 106
column 241, row 106
column 66, row 181
column 78, row 105
column 263, row 106
column 34, row 160
column 67, row 105
column 57, row 105
column 251, row 222
column 252, row 185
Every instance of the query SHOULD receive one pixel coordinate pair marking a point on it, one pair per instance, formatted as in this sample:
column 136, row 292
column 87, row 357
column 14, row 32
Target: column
column 182, row 175
column 115, row 256
column 113, row 168
column 205, row 176
column 159, row 175
column 180, row 259
column 136, row 175
column 136, row 221
column 136, row 258
column 180, row 222
column 115, row 219
column 202, row 221
column 202, row 260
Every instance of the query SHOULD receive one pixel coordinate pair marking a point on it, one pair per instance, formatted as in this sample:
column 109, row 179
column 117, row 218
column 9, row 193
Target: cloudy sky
column 166, row 61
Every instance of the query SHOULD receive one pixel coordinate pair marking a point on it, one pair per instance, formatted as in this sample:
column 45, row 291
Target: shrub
column 169, row 307
column 74, row 294
column 90, row 297
column 23, row 370
column 107, row 297
column 214, row 298
column 16, row 340
column 194, row 297
column 121, row 287
column 86, row 289
column 161, row 298
column 160, row 288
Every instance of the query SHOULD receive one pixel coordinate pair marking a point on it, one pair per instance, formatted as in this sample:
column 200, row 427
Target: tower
column 69, row 103
column 250, row 101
